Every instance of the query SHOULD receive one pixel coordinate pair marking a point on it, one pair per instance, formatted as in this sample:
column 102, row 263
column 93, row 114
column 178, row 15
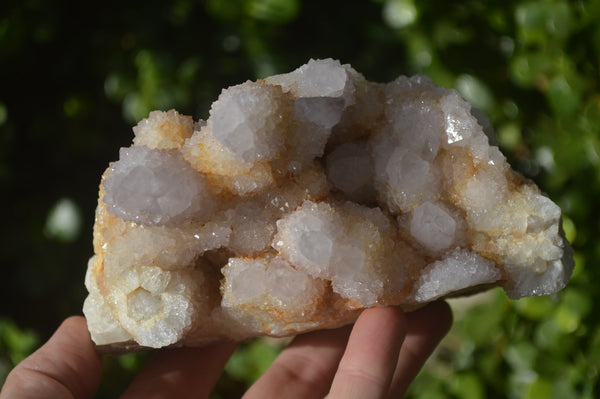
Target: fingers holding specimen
column 368, row 364
column 425, row 329
column 305, row 368
column 181, row 373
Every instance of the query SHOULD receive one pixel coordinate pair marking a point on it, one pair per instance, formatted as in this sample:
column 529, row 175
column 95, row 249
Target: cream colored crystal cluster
column 303, row 199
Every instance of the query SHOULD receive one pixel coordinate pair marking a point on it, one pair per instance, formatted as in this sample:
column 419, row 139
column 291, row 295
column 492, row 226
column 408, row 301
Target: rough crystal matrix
column 303, row 199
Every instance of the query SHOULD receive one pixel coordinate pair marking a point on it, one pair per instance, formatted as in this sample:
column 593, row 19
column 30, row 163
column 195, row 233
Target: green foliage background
column 75, row 76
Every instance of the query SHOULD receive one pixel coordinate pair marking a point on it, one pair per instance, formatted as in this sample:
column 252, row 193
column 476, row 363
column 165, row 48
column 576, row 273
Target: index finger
column 368, row 364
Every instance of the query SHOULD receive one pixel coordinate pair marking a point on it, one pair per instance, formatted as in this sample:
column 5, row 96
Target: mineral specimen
column 303, row 199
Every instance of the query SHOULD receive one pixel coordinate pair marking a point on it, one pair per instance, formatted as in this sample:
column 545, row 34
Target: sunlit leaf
column 539, row 389
column 562, row 96
column 467, row 385
column 400, row 13
column 273, row 11
column 64, row 221
column 252, row 359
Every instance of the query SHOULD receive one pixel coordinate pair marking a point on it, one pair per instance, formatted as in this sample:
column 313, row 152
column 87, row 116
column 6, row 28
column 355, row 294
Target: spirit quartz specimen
column 303, row 199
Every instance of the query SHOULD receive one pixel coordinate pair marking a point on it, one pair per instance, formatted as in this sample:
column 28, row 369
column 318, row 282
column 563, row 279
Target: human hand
column 376, row 358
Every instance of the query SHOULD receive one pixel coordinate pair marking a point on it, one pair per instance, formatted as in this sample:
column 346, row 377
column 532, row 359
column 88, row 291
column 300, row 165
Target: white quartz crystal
column 280, row 289
column 350, row 169
column 459, row 270
column 433, row 227
column 247, row 120
column 163, row 130
column 155, row 187
column 303, row 199
column 104, row 327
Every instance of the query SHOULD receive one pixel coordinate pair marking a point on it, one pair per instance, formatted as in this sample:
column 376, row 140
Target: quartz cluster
column 303, row 199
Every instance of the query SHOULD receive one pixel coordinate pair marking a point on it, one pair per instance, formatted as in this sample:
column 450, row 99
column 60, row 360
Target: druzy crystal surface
column 303, row 199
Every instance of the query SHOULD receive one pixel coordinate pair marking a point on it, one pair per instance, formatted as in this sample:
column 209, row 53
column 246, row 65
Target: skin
column 378, row 357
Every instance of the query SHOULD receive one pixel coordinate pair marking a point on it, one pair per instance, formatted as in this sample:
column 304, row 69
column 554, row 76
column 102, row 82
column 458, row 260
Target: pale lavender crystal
column 155, row 187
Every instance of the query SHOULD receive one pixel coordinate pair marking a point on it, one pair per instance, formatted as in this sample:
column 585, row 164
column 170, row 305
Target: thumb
column 67, row 366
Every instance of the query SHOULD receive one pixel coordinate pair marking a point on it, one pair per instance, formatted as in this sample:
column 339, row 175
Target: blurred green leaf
column 521, row 356
column 548, row 334
column 273, row 11
column 252, row 359
column 3, row 113
column 563, row 98
column 400, row 13
column 509, row 136
column 536, row 308
column 64, row 221
column 475, row 92
column 467, row 385
column 15, row 345
column 484, row 321
column 540, row 21
column 530, row 69
column 539, row 389
column 227, row 10
column 573, row 307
